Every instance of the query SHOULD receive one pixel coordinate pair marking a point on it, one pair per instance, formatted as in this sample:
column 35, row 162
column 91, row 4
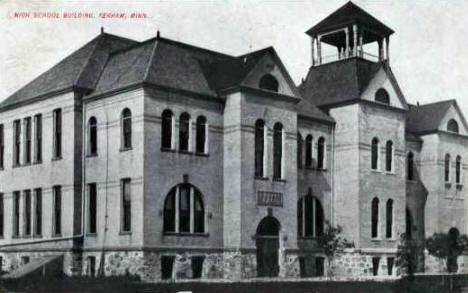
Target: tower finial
column 102, row 30
column 158, row 34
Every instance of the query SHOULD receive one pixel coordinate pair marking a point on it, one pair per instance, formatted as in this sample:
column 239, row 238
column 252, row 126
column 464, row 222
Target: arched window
column 389, row 156
column 410, row 165
column 458, row 170
column 447, row 168
column 409, row 225
column 201, row 138
column 268, row 82
column 300, row 143
column 259, row 148
column 277, row 151
column 375, row 154
column 310, row 217
column 382, row 96
column 452, row 126
column 321, row 151
column 375, row 218
column 126, row 128
column 184, row 132
column 92, row 136
column 166, row 129
column 308, row 151
column 389, row 208
column 184, row 207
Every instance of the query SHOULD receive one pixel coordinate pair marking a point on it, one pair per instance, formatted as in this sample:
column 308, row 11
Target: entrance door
column 267, row 247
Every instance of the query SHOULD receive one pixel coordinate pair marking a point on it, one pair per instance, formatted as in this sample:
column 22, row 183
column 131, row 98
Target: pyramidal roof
column 349, row 14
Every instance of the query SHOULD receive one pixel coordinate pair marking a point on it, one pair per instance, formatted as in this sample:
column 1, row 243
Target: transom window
column 183, row 210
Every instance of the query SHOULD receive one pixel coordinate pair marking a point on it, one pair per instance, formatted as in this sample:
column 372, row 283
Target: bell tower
column 348, row 29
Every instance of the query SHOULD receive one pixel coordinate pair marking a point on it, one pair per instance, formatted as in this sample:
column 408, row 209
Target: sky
column 428, row 52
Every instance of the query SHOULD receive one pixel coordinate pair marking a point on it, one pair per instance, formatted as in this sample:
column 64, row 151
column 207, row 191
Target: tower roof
column 349, row 14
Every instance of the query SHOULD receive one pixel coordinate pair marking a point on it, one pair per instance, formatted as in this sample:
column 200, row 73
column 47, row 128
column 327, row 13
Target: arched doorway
column 267, row 241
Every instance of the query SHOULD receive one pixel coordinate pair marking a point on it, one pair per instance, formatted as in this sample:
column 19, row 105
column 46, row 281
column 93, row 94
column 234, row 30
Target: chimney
column 102, row 30
column 158, row 34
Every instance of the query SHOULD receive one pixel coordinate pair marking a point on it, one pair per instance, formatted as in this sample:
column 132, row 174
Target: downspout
column 332, row 177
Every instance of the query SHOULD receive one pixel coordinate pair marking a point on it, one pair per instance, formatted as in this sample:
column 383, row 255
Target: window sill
column 37, row 162
column 185, row 152
column 202, row 155
column 91, row 234
column 261, row 178
column 91, row 155
column 122, row 233
column 322, row 169
column 376, row 171
column 459, row 186
column 376, row 239
column 37, row 236
column 391, row 173
column 56, row 159
column 182, row 234
column 391, row 239
column 26, row 236
column 125, row 149
column 168, row 150
column 279, row 180
column 57, row 235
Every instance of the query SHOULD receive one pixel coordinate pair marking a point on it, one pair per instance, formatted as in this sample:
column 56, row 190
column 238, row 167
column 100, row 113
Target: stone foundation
column 356, row 264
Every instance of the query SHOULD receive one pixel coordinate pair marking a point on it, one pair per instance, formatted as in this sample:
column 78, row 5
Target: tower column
column 313, row 51
column 319, row 49
column 355, row 36
column 347, row 43
column 387, row 43
column 361, row 39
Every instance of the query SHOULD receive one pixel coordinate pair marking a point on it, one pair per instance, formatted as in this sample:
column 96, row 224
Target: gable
column 268, row 64
column 453, row 113
column 381, row 80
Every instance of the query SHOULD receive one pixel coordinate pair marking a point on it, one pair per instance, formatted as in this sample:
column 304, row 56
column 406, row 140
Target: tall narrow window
column 310, row 217
column 38, row 138
column 38, row 212
column 92, row 136
column 16, row 214
column 201, row 135
column 375, row 153
column 389, row 156
column 92, row 204
column 184, row 125
column 375, row 217
column 17, row 143
column 126, row 129
column 409, row 225
column 27, row 140
column 2, row 217
column 259, row 147
column 300, row 143
column 2, row 146
column 389, row 230
column 447, row 168
column 126, row 205
column 57, row 228
column 184, row 210
column 166, row 129
column 277, row 151
column 458, row 170
column 410, row 165
column 308, row 151
column 57, row 152
column 27, row 212
column 321, row 149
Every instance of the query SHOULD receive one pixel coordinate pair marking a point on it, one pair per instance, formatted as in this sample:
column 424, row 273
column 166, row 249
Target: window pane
column 126, row 205
column 184, row 209
column 375, row 217
column 169, row 212
column 199, row 216
column 277, row 150
column 38, row 210
column 201, row 133
column 166, row 130
column 1, row 215
column 92, row 207
column 27, row 212
column 259, row 147
column 58, row 210
column 183, row 132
